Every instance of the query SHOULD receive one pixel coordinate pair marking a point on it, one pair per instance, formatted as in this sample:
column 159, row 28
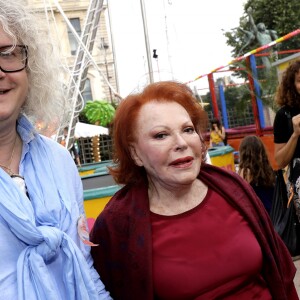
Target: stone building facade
column 75, row 11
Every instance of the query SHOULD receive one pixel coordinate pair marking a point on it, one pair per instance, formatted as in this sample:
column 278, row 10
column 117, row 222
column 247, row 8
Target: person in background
column 180, row 228
column 254, row 167
column 217, row 134
column 74, row 150
column 287, row 127
column 45, row 253
column 75, row 153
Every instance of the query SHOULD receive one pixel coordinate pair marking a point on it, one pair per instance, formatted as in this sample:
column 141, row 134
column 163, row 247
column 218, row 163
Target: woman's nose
column 2, row 74
column 180, row 142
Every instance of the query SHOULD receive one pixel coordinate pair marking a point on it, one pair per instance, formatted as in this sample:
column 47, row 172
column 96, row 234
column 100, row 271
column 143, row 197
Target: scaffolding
column 82, row 61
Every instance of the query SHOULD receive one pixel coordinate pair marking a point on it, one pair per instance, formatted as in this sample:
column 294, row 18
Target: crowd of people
column 179, row 228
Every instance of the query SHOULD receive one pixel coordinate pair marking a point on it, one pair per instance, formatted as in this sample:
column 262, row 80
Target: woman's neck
column 10, row 151
column 172, row 201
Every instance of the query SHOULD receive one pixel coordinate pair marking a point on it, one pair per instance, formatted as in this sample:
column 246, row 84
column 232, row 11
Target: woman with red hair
column 181, row 228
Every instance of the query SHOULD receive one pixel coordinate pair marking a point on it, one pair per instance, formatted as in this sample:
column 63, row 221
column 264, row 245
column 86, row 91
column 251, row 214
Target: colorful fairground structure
column 259, row 127
column 98, row 184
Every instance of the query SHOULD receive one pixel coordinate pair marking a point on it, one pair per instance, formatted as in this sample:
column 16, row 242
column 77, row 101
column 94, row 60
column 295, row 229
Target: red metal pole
column 213, row 95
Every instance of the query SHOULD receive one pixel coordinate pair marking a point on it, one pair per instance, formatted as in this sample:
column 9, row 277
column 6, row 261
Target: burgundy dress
column 210, row 253
column 124, row 257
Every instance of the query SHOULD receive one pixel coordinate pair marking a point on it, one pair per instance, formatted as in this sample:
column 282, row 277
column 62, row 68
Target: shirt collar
column 25, row 129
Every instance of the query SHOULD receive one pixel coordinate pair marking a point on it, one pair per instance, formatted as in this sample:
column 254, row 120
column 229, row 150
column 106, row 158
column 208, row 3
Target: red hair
column 124, row 125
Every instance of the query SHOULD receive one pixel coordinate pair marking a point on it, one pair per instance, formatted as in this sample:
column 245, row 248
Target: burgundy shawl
column 123, row 232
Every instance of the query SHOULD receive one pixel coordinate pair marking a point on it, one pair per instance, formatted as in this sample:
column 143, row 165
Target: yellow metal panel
column 225, row 161
column 88, row 172
column 95, row 206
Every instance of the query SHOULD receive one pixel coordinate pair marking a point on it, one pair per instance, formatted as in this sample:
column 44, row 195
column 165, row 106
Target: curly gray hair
column 45, row 100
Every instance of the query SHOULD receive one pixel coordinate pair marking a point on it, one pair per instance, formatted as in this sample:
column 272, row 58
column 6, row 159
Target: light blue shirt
column 11, row 246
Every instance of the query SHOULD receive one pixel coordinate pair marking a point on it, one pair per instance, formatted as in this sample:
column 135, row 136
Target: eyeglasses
column 13, row 58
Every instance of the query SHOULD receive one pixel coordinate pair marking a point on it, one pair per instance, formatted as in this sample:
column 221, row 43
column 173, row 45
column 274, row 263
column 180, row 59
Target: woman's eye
column 160, row 136
column 189, row 129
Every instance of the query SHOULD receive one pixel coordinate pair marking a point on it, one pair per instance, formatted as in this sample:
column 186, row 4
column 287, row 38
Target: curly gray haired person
column 45, row 99
column 44, row 243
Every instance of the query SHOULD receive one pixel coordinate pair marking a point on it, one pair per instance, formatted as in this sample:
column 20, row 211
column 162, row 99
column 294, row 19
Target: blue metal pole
column 257, row 91
column 223, row 106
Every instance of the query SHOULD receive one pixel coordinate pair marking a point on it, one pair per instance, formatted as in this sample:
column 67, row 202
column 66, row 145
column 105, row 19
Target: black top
column 283, row 127
column 265, row 194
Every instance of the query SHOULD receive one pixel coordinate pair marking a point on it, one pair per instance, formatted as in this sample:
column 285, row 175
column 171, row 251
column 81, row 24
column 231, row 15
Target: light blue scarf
column 42, row 227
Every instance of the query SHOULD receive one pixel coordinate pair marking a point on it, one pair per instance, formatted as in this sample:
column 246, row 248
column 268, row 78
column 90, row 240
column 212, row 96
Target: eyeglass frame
column 26, row 59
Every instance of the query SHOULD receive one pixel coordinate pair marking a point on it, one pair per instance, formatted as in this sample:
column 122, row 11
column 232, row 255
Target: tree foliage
column 280, row 15
column 237, row 97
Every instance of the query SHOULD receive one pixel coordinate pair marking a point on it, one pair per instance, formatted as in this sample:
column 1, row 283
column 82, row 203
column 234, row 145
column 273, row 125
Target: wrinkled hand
column 296, row 124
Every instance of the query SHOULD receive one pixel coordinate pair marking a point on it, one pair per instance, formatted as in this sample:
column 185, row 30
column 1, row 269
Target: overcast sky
column 187, row 35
